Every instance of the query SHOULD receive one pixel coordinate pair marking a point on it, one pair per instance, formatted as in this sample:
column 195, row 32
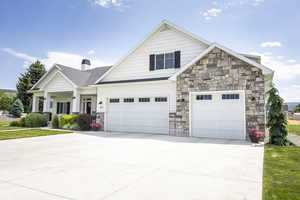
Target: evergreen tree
column 5, row 102
column 297, row 109
column 276, row 119
column 17, row 108
column 26, row 81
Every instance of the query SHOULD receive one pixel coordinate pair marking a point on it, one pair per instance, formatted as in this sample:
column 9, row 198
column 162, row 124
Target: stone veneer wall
column 100, row 119
column 219, row 71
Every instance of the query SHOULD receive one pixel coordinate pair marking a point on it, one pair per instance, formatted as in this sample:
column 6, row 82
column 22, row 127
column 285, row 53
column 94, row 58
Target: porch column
column 34, row 103
column 46, row 102
column 76, row 101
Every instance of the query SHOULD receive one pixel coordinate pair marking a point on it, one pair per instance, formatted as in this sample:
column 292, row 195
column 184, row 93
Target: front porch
column 64, row 102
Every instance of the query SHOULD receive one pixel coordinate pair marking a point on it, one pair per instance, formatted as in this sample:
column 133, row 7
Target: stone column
column 76, row 101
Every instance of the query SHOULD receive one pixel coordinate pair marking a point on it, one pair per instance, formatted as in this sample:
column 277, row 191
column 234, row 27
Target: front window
column 165, row 61
column 63, row 108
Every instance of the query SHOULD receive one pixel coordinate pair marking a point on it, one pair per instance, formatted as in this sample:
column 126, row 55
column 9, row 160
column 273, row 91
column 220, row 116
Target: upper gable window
column 165, row 61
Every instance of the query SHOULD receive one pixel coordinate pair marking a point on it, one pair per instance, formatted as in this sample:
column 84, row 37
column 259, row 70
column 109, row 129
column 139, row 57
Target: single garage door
column 218, row 115
column 141, row 115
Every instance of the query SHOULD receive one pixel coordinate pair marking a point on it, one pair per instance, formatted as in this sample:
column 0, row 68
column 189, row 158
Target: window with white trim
column 165, row 61
column 144, row 99
column 230, row 96
column 161, row 99
column 204, row 97
column 128, row 100
column 114, row 100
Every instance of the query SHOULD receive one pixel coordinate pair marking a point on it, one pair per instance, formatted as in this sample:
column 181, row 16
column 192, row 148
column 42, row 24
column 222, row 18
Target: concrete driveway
column 129, row 166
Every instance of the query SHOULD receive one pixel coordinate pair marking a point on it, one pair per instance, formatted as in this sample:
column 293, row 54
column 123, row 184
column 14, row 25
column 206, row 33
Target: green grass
column 4, row 123
column 295, row 129
column 281, row 173
column 4, row 128
column 29, row 133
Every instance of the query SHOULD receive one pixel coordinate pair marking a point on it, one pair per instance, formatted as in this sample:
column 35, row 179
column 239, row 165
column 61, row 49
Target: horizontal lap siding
column 136, row 65
column 58, row 83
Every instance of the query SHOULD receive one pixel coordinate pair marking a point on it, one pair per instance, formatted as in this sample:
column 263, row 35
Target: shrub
column 14, row 123
column 66, row 126
column 55, row 122
column 35, row 120
column 84, row 121
column 22, row 122
column 17, row 108
column 67, row 119
column 75, row 126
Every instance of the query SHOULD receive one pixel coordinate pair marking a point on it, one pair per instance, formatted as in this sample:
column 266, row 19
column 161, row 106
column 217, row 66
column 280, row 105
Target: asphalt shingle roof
column 83, row 78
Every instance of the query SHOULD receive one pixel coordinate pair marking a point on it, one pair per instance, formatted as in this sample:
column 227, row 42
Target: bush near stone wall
column 67, row 121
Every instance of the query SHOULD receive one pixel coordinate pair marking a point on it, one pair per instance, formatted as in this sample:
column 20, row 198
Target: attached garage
column 218, row 114
column 138, row 114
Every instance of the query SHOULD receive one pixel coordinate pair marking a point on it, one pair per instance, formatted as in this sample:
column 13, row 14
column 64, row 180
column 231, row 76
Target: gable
column 45, row 79
column 58, row 83
column 165, row 40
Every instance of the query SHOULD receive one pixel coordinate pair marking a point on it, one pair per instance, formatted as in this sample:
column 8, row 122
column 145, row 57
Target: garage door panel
column 217, row 117
column 143, row 117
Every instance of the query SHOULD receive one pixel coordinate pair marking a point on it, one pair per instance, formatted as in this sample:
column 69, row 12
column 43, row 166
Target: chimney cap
column 86, row 62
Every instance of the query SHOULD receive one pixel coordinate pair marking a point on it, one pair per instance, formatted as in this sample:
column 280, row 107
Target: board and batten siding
column 136, row 65
column 58, row 83
column 148, row 89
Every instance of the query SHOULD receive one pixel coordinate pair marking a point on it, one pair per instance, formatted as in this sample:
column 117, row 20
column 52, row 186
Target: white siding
column 58, row 83
column 136, row 65
column 49, row 76
column 161, row 88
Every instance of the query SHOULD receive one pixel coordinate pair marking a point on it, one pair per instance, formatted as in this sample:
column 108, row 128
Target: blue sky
column 65, row 31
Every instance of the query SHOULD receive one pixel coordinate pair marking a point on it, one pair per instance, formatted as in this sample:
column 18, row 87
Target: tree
column 26, row 81
column 17, row 108
column 297, row 109
column 5, row 102
column 276, row 119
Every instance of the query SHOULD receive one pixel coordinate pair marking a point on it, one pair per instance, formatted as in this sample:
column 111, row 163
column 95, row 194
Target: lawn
column 4, row 128
column 295, row 129
column 4, row 123
column 281, row 173
column 29, row 133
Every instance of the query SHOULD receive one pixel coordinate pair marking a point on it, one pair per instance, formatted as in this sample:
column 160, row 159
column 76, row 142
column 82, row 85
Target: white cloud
column 91, row 52
column 108, row 3
column 68, row 59
column 213, row 12
column 20, row 55
column 291, row 93
column 258, row 2
column 291, row 61
column 271, row 44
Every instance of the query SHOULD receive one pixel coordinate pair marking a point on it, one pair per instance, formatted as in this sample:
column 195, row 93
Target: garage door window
column 128, row 100
column 114, row 100
column 144, row 99
column 161, row 99
column 230, row 96
column 204, row 97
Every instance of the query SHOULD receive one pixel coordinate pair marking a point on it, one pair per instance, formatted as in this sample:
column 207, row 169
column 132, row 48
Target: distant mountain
column 10, row 91
column 292, row 105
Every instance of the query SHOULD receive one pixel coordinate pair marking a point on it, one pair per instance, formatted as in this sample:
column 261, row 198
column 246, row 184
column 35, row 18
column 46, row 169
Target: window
column 169, row 60
column 144, row 99
column 164, row 61
column 230, row 96
column 160, row 63
column 63, row 108
column 128, row 100
column 161, row 99
column 114, row 100
column 204, row 97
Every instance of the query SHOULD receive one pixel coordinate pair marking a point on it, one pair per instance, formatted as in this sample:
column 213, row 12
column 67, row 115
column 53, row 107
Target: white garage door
column 218, row 115
column 142, row 115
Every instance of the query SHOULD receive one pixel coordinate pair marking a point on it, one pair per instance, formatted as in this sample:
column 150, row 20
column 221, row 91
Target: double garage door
column 138, row 114
column 218, row 115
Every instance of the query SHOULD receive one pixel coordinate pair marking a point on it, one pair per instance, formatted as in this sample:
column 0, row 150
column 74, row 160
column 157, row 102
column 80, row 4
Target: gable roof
column 156, row 29
column 265, row 70
column 77, row 77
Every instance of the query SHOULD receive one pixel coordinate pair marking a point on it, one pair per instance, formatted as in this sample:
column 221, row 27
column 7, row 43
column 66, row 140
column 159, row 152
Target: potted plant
column 256, row 135
column 95, row 126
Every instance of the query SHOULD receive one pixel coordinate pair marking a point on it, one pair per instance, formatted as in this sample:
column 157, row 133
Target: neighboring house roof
column 10, row 91
column 162, row 24
column 265, row 70
column 79, row 78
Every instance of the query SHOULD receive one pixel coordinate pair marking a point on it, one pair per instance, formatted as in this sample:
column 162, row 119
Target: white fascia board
column 264, row 69
column 44, row 76
column 157, row 28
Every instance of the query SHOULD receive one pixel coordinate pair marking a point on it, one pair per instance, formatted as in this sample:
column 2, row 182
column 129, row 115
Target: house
column 172, row 83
